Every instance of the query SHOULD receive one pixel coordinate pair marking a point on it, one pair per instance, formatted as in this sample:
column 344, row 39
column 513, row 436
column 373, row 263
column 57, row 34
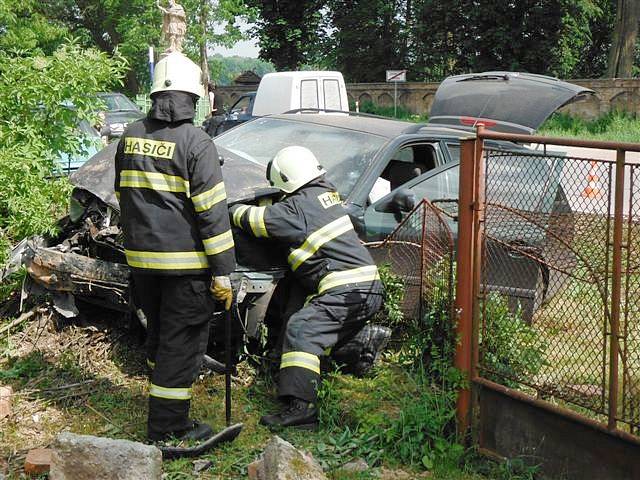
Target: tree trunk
column 623, row 44
column 204, row 59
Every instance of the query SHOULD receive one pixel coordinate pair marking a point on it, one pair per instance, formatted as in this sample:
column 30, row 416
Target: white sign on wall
column 396, row 75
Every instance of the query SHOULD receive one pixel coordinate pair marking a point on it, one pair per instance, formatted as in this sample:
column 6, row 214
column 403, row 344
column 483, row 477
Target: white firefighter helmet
column 176, row 72
column 292, row 167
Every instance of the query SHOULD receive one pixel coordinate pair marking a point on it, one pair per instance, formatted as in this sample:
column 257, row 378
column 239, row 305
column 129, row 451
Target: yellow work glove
column 221, row 290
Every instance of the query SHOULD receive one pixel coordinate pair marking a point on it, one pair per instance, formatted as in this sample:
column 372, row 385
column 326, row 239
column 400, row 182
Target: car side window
column 407, row 163
column 242, row 105
column 440, row 189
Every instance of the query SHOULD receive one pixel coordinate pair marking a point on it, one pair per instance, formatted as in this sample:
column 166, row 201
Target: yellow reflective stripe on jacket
column 151, row 364
column 368, row 273
column 317, row 239
column 169, row 393
column 167, row 260
column 302, row 360
column 237, row 215
column 204, row 201
column 218, row 243
column 256, row 221
column 153, row 181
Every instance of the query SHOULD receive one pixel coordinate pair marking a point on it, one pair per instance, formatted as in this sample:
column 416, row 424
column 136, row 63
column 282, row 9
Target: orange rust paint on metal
column 616, row 290
column 464, row 287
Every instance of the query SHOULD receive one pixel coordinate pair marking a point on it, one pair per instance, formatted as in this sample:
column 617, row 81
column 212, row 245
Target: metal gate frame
column 506, row 423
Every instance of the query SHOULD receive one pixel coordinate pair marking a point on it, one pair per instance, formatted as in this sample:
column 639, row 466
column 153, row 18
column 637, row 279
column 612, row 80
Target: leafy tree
column 368, row 37
column 42, row 99
column 287, row 30
column 224, row 70
column 130, row 26
column 24, row 29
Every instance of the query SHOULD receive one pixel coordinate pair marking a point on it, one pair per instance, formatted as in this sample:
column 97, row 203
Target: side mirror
column 403, row 201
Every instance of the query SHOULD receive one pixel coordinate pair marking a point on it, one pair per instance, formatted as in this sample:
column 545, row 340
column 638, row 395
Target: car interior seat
column 399, row 172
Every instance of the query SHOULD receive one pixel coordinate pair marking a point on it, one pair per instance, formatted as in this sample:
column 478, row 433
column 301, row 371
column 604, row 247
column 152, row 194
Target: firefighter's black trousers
column 326, row 321
column 178, row 311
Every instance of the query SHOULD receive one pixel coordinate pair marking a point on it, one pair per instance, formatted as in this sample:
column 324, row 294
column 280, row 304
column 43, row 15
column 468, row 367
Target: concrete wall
column 611, row 94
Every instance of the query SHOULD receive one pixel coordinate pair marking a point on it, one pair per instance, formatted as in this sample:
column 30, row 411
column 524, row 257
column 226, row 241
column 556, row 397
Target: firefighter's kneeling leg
column 185, row 313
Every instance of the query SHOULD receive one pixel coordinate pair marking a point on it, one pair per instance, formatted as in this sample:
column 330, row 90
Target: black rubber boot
column 297, row 413
column 198, row 431
column 360, row 353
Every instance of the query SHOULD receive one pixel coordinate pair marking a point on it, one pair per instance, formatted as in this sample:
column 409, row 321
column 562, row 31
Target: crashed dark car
column 381, row 168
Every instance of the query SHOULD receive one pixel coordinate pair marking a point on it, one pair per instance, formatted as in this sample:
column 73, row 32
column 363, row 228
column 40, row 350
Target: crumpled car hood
column 244, row 180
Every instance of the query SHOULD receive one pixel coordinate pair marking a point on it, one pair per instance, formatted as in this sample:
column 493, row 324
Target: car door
column 439, row 186
column 240, row 112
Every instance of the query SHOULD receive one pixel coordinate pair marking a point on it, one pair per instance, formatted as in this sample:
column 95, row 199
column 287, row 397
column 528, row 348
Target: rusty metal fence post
column 616, row 290
column 464, row 283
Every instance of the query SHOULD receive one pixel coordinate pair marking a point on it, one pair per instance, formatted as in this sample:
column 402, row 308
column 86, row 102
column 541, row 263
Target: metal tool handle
column 227, row 362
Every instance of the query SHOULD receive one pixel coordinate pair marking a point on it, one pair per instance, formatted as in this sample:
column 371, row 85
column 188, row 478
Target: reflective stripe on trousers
column 301, row 360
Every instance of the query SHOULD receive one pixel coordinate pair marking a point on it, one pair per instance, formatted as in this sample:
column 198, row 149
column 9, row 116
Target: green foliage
column 511, row 349
column 286, row 30
column 42, row 100
column 614, row 126
column 401, row 112
column 397, row 416
column 391, row 314
column 224, row 70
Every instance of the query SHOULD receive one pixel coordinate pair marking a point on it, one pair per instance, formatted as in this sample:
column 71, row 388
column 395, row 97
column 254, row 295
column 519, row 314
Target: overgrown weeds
column 616, row 126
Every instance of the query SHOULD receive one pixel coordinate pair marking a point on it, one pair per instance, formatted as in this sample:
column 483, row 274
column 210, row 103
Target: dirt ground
column 88, row 376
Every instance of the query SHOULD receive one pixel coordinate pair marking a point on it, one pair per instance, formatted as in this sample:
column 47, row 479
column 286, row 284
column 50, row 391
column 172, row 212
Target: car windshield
column 117, row 102
column 345, row 154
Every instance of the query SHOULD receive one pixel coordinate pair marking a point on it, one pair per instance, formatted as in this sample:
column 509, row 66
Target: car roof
column 380, row 126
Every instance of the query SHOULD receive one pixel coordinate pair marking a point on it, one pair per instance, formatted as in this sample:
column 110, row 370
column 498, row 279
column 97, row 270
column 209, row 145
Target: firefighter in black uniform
column 330, row 263
column 178, row 241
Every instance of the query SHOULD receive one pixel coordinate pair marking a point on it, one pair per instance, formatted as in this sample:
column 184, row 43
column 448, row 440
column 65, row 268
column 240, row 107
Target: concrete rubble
column 38, row 461
column 282, row 461
column 84, row 457
column 6, row 394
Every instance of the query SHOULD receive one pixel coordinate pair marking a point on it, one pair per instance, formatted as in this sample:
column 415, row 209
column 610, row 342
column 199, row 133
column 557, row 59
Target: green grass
column 614, row 126
column 392, row 419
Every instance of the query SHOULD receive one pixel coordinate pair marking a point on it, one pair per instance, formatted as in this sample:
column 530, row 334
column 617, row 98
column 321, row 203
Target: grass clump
column 401, row 113
column 616, row 126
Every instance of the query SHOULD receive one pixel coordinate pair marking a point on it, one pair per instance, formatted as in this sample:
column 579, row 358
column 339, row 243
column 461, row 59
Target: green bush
column 511, row 349
column 401, row 113
column 391, row 313
column 42, row 100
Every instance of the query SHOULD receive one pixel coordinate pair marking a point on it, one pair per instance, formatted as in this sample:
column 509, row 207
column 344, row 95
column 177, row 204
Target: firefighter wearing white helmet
column 177, row 240
column 327, row 260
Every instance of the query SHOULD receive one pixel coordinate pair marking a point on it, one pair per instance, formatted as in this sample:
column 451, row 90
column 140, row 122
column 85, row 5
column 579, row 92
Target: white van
column 284, row 91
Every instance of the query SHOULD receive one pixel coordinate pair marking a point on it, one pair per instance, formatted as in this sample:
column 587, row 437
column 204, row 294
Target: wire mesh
column 419, row 253
column 545, row 296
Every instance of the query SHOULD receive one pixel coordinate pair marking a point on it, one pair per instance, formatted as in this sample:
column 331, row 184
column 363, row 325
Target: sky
column 245, row 48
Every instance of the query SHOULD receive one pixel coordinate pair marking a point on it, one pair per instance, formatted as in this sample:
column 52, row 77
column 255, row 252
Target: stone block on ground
column 84, row 457
column 38, row 461
column 6, row 394
column 282, row 461
column 255, row 470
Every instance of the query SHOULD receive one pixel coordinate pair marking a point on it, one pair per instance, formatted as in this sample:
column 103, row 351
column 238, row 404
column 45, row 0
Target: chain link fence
column 547, row 292
column 420, row 254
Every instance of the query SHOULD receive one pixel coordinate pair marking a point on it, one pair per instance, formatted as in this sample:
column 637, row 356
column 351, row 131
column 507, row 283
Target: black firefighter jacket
column 325, row 252
column 172, row 198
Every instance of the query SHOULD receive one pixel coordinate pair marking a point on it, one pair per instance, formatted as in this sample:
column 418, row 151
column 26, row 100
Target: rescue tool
column 230, row 432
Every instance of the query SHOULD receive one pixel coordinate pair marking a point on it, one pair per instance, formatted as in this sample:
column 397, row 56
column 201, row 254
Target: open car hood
column 507, row 102
column 244, row 180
